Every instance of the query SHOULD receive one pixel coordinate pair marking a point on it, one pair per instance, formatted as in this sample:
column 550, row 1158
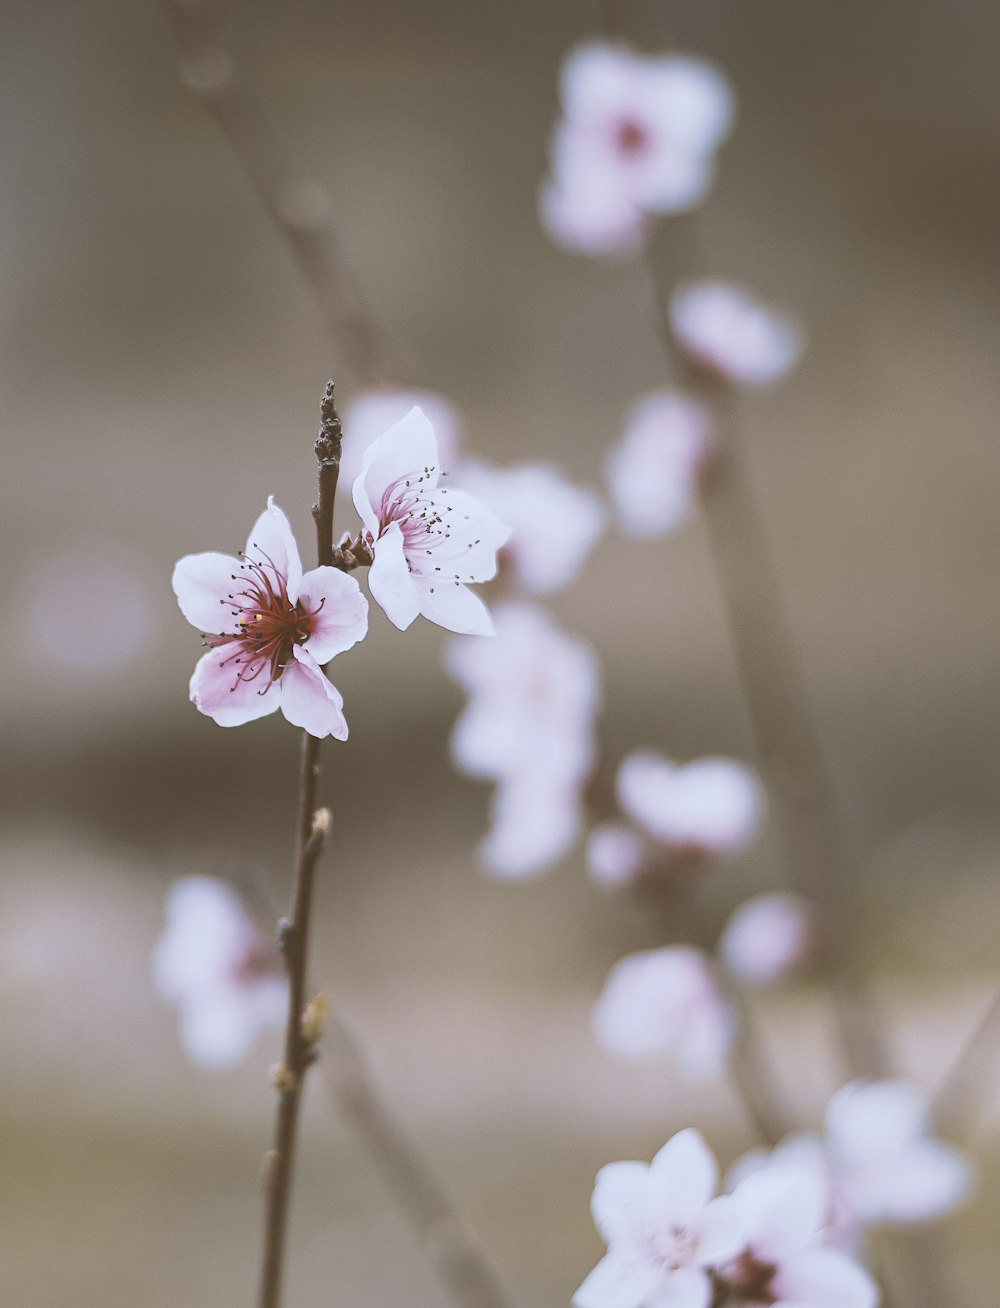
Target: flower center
column 267, row 624
column 750, row 1279
column 631, row 137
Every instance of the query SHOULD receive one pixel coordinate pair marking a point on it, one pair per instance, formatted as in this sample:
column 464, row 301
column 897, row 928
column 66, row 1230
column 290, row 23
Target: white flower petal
column 682, row 1179
column 309, row 700
column 340, row 612
column 455, row 608
column 618, row 1204
column 272, row 544
column 217, row 690
column 389, row 579
column 618, row 1281
column 202, row 583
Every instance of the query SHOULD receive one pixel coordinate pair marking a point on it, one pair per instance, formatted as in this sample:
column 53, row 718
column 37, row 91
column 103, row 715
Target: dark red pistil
column 632, row 136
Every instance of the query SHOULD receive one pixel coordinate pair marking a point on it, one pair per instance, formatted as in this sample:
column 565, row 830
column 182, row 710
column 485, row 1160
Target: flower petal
column 685, row 1288
column 202, row 583
column 454, row 607
column 619, row 1199
column 823, row 1278
column 618, row 1281
column 389, row 579
column 682, row 1179
column 408, row 447
column 309, row 700
column 339, row 612
column 218, row 691
column 475, row 534
column 271, row 543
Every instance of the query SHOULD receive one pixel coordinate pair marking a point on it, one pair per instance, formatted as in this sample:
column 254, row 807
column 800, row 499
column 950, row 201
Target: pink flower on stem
column 427, row 543
column 636, row 138
column 709, row 806
column 652, row 472
column 782, row 1261
column 225, row 978
column 270, row 628
column 666, row 1003
column 727, row 330
column 766, row 938
column 664, row 1230
column 616, row 855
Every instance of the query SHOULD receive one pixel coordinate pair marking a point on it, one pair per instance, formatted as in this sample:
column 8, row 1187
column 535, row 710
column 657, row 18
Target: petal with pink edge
column 618, row 1281
column 219, row 692
column 202, row 583
column 682, row 1179
column 389, row 579
column 406, row 450
column 456, row 608
column 339, row 612
column 309, row 700
column 272, row 544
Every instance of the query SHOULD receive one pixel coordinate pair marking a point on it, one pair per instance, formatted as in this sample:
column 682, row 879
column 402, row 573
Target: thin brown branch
column 313, row 828
column 955, row 1100
column 446, row 1241
column 299, row 206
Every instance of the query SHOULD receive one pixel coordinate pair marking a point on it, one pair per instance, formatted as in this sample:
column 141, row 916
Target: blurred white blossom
column 712, row 805
column 615, row 854
column 372, row 412
column 664, row 1230
column 766, row 938
column 529, row 724
column 727, row 330
column 652, row 472
column 666, row 1002
column 554, row 524
column 636, row 138
column 213, row 963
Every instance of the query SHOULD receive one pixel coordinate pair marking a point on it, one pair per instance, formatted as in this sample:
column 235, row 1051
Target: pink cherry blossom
column 664, row 1230
column 269, row 628
column 727, row 330
column 782, row 1259
column 225, row 978
column 636, row 138
column 554, row 524
column 529, row 724
column 615, row 855
column 712, row 805
column 886, row 1165
column 427, row 543
column 372, row 412
column 665, row 1002
column 766, row 938
column 652, row 472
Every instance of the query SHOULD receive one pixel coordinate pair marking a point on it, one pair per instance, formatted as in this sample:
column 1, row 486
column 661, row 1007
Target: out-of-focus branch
column 444, row 1238
column 298, row 205
column 953, row 1103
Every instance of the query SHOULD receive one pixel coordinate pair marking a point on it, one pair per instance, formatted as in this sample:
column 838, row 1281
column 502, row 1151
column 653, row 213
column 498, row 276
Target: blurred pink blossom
column 615, row 855
column 269, row 629
column 727, row 330
column 529, row 724
column 663, row 1228
column 665, row 1002
column 886, row 1165
column 652, row 472
column 213, row 963
column 428, row 543
column 766, row 938
column 636, row 138
column 554, row 524
column 373, row 412
column 712, row 805
column 782, row 1260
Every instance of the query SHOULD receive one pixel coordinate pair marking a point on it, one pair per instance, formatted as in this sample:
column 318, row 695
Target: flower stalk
column 313, row 829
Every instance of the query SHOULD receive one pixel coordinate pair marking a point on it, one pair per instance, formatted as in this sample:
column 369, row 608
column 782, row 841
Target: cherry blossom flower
column 529, row 724
column 782, row 1260
column 665, row 1002
column 636, row 138
column 664, row 1230
column 554, row 524
column 652, row 472
column 885, row 1164
column 269, row 628
column 766, row 938
column 710, row 806
column 727, row 330
column 427, row 543
column 372, row 412
column 615, row 855
column 213, row 963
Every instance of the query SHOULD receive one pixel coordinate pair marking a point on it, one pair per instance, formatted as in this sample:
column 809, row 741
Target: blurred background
column 162, row 365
